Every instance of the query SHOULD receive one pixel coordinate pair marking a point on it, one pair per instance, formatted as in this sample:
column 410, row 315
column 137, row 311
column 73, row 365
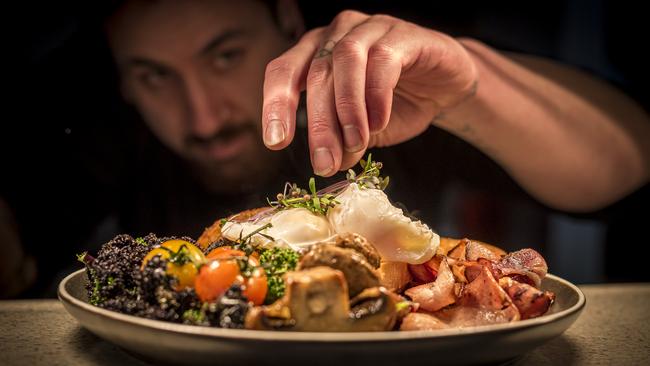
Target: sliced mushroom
column 359, row 274
column 374, row 309
column 316, row 300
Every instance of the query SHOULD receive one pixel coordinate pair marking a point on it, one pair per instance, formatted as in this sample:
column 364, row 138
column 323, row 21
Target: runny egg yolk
column 368, row 212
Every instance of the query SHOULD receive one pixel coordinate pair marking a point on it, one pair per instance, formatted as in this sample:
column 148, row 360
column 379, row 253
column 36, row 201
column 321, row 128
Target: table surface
column 614, row 329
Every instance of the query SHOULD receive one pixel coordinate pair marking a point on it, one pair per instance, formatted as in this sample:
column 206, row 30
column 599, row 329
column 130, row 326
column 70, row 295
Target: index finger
column 284, row 79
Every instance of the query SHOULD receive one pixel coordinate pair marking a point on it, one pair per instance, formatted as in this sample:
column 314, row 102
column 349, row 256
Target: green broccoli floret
column 276, row 262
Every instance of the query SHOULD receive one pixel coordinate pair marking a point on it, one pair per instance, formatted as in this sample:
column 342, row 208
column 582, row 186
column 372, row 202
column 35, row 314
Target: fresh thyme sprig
column 369, row 177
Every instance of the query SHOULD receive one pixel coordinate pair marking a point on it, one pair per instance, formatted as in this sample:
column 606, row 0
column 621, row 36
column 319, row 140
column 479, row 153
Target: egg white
column 396, row 237
column 367, row 212
column 295, row 228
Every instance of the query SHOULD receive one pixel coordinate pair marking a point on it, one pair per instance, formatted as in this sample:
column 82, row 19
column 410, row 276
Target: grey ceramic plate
column 175, row 343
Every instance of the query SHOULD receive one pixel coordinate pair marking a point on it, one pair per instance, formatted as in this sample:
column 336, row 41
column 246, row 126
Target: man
column 370, row 81
column 194, row 71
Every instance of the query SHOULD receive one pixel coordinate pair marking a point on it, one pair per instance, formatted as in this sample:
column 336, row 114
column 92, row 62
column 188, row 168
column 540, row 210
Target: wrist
column 461, row 118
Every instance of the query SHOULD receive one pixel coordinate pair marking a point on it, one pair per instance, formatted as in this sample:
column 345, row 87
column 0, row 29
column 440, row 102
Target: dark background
column 67, row 124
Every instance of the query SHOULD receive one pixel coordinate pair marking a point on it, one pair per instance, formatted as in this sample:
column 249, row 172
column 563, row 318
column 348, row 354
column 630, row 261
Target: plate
column 166, row 342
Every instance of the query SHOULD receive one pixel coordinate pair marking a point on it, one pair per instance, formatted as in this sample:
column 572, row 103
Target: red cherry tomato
column 219, row 274
column 224, row 252
column 227, row 251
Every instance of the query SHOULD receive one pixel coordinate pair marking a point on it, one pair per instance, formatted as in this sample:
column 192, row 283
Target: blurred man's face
column 195, row 70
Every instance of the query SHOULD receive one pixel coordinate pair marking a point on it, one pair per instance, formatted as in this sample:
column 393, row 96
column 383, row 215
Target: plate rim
column 311, row 337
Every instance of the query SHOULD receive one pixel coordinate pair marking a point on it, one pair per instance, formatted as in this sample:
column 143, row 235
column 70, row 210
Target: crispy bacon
column 422, row 321
column 474, row 269
column 526, row 265
column 438, row 294
column 474, row 251
column 483, row 301
column 484, row 292
column 422, row 273
column 530, row 301
column 458, row 252
column 483, row 286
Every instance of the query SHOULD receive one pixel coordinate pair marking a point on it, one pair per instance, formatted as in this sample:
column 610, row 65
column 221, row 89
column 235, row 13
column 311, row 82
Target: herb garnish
column 320, row 202
column 369, row 177
column 295, row 197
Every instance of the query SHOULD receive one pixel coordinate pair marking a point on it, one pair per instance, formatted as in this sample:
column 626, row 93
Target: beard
column 250, row 168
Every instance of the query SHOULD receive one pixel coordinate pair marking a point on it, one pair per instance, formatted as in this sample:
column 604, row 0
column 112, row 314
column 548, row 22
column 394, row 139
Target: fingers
column 283, row 81
column 350, row 60
column 349, row 70
column 322, row 122
column 324, row 129
column 382, row 74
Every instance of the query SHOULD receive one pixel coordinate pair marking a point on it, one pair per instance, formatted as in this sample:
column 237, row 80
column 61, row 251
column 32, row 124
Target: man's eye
column 154, row 79
column 225, row 60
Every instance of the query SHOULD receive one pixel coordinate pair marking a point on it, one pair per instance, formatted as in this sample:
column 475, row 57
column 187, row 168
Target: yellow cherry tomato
column 183, row 260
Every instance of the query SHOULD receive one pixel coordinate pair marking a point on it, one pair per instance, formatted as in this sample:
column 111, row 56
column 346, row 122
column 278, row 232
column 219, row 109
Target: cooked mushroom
column 360, row 244
column 374, row 309
column 359, row 274
column 316, row 300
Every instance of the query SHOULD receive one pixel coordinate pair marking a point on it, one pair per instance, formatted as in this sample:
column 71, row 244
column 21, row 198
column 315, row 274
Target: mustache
column 223, row 135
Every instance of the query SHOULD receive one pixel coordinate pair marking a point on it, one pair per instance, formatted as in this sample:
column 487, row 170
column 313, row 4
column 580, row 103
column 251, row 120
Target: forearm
column 575, row 150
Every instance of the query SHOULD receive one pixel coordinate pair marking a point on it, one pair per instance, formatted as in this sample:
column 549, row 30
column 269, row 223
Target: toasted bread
column 213, row 232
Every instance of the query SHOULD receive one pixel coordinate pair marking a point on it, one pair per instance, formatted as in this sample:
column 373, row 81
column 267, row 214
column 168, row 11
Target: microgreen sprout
column 295, row 197
column 320, row 202
column 369, row 177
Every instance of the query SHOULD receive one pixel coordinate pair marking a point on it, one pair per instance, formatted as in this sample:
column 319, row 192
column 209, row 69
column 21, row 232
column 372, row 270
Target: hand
column 370, row 81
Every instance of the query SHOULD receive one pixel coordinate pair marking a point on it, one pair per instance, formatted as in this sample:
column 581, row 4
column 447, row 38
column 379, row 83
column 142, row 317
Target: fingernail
column 352, row 138
column 323, row 161
column 274, row 134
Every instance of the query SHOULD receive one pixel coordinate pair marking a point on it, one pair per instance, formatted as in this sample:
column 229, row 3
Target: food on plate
column 317, row 299
column 341, row 259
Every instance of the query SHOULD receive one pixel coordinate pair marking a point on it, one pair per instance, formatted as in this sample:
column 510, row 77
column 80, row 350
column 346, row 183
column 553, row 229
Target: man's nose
column 206, row 108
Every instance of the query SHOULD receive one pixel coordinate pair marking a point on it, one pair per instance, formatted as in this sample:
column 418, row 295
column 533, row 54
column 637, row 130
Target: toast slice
column 213, row 232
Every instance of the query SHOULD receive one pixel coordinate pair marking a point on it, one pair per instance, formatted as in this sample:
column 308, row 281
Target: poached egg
column 366, row 211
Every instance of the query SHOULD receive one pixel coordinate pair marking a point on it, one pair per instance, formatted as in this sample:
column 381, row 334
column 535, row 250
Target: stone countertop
column 614, row 329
